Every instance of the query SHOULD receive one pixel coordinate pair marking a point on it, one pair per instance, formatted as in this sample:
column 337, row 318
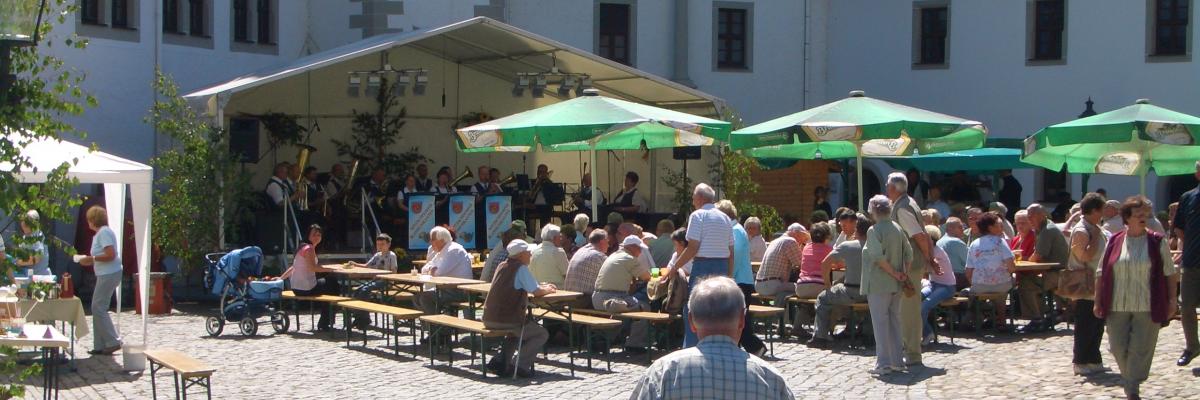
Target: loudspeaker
column 686, row 153
column 243, row 139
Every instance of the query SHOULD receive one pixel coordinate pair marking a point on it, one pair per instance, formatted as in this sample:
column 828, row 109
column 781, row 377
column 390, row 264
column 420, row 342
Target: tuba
column 465, row 174
column 508, row 181
column 301, row 164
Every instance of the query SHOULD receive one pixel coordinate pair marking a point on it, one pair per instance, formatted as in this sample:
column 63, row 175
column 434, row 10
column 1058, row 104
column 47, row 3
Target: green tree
column 200, row 187
column 731, row 175
column 33, row 108
column 373, row 133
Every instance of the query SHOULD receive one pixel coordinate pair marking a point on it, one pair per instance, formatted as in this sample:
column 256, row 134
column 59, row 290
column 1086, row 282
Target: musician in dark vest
column 505, row 309
column 424, row 183
column 583, row 200
column 628, row 202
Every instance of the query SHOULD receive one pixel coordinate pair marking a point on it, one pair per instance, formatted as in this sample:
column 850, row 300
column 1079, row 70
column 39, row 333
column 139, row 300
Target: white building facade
column 1016, row 65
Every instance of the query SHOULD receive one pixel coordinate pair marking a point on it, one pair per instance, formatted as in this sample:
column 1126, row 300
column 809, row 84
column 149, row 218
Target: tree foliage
column 200, row 187
column 373, row 134
column 731, row 175
column 33, row 108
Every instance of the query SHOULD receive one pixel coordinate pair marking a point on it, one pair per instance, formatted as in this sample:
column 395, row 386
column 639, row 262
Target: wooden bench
column 763, row 312
column 946, row 309
column 852, row 321
column 185, row 371
column 330, row 300
column 997, row 300
column 393, row 314
column 589, row 323
column 653, row 318
column 456, row 324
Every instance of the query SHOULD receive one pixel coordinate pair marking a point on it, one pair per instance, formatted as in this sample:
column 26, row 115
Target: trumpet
column 301, row 164
column 465, row 174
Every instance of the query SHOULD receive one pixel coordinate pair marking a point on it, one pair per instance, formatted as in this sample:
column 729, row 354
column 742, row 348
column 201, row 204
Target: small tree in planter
column 373, row 134
column 200, row 186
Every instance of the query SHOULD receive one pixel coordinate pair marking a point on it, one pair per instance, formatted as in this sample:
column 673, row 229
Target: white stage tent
column 116, row 174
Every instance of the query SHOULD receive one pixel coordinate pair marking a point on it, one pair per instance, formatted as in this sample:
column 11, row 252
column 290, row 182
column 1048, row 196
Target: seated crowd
column 898, row 259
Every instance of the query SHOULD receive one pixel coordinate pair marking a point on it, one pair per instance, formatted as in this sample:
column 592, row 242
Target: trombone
column 537, row 185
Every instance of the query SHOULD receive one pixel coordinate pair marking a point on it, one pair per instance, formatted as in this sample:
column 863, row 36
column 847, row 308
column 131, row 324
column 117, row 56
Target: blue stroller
column 242, row 299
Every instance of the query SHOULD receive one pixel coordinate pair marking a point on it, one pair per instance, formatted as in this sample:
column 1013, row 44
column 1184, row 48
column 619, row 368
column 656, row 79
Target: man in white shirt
column 758, row 245
column 710, row 245
column 628, row 202
column 446, row 258
column 549, row 262
column 280, row 188
column 583, row 201
column 1112, row 218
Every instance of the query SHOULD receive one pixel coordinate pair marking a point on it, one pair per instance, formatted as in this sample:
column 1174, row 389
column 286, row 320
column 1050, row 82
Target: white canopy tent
column 116, row 174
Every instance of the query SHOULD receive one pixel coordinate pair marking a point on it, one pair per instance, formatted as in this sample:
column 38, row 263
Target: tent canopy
column 495, row 49
column 118, row 176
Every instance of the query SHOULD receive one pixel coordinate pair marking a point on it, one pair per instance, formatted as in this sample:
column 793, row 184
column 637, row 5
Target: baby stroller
column 242, row 299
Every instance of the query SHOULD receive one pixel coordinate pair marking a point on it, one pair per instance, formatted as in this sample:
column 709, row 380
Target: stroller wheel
column 248, row 326
column 280, row 321
column 214, row 326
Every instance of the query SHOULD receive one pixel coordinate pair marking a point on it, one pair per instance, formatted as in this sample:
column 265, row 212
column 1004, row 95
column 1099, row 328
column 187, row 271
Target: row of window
column 731, row 33
column 253, row 22
column 1167, row 30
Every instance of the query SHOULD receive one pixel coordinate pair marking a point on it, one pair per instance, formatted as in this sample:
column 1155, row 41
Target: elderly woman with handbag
column 1135, row 292
column 1078, row 283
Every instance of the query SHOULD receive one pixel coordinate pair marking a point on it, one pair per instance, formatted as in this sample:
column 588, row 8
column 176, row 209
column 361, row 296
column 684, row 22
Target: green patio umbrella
column 858, row 126
column 1126, row 141
column 981, row 159
column 592, row 122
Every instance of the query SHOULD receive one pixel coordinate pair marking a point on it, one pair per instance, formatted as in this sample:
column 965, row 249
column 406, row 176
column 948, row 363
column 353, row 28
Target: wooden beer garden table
column 476, row 266
column 1030, row 266
column 416, row 283
column 354, row 275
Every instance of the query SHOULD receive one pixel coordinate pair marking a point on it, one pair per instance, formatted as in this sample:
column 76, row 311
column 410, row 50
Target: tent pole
column 595, row 194
column 858, row 160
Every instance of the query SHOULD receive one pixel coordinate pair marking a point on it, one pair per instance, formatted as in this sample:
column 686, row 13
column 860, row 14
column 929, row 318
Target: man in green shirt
column 1050, row 247
column 619, row 271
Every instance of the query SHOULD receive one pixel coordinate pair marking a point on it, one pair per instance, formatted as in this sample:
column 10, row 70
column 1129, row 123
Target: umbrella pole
column 858, row 160
column 1142, row 183
column 595, row 194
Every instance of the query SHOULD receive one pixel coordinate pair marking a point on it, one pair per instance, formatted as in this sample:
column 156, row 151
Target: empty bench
column 475, row 328
column 589, row 323
column 654, row 318
column 329, row 300
column 185, row 371
column 393, row 314
column 763, row 312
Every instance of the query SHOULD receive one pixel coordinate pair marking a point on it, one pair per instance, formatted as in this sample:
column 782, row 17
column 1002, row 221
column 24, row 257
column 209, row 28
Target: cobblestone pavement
column 308, row 365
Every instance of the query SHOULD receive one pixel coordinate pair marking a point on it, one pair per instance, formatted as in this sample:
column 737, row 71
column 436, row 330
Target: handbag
column 677, row 293
column 1078, row 282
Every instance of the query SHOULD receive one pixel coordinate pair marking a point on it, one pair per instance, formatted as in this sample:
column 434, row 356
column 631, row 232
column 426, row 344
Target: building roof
column 495, row 49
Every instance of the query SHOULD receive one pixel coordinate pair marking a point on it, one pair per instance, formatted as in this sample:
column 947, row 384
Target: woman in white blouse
column 1135, row 293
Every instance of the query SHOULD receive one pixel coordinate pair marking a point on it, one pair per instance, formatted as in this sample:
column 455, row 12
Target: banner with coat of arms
column 497, row 213
column 462, row 218
column 420, row 220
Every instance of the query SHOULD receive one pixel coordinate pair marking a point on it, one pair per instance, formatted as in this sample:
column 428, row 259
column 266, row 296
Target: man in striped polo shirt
column 709, row 249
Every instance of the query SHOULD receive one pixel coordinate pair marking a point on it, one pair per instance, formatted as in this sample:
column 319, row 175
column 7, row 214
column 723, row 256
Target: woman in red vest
column 1133, row 293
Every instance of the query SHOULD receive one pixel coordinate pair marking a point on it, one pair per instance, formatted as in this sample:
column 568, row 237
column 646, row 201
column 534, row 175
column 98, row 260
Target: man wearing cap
column 504, row 309
column 620, row 271
column 709, row 248
column 999, row 207
column 781, row 258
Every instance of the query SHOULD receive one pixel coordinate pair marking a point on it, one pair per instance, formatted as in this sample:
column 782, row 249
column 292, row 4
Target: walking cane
column 520, row 340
